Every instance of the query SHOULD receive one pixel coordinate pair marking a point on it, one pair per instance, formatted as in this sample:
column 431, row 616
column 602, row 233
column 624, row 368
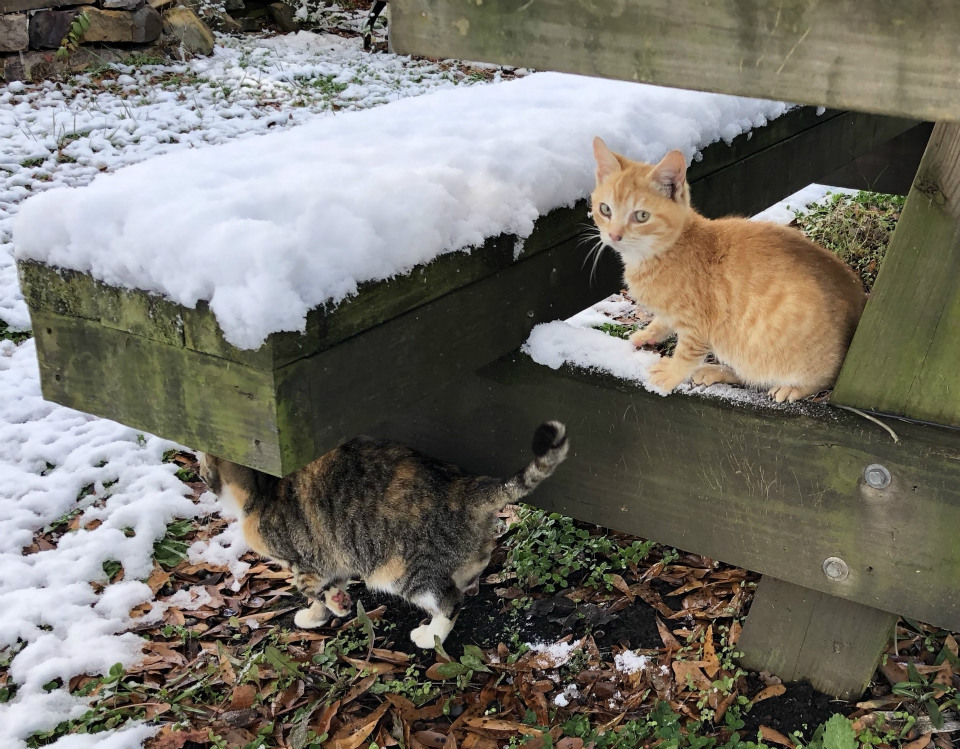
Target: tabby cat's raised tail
column 550, row 448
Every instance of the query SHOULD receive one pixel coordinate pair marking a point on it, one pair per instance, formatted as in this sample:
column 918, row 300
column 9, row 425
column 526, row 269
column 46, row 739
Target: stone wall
column 32, row 32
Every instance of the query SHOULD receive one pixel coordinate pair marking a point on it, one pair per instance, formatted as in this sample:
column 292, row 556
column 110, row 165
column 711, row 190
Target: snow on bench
column 267, row 229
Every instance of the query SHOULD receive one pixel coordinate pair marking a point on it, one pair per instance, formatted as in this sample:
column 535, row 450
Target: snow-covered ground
column 58, row 616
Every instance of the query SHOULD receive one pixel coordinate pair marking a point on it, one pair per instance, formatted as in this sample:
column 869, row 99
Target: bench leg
column 801, row 634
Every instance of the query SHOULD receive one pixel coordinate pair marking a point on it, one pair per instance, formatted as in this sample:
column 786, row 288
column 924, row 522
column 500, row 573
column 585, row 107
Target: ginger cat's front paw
column 711, row 374
column 664, row 375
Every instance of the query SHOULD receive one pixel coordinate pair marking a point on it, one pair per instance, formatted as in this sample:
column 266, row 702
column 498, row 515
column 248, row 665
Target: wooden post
column 798, row 633
column 904, row 356
column 903, row 360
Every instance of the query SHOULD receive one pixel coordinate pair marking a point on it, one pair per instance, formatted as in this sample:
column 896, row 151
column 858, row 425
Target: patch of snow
column 570, row 692
column 54, row 620
column 553, row 655
column 628, row 662
column 362, row 196
column 64, row 133
column 784, row 211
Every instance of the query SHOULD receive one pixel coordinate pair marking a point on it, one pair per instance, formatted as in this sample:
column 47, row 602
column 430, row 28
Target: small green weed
column 857, row 228
column 470, row 662
column 932, row 696
column 551, row 551
column 74, row 38
column 17, row 336
column 413, row 685
column 616, row 330
column 170, row 550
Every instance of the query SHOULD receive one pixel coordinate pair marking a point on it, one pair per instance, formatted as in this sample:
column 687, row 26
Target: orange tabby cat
column 775, row 309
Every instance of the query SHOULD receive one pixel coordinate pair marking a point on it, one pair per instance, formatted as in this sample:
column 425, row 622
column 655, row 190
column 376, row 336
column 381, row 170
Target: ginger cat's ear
column 607, row 161
column 668, row 176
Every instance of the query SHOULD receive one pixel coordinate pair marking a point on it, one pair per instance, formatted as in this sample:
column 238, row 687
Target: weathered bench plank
column 872, row 55
column 376, row 354
column 772, row 491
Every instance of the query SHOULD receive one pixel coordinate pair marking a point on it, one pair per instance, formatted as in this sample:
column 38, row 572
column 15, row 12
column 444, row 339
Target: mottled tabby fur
column 775, row 309
column 404, row 523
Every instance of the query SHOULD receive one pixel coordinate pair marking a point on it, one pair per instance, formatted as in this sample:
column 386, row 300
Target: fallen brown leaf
column 353, row 734
column 774, row 690
column 919, row 743
column 770, row 734
column 669, row 641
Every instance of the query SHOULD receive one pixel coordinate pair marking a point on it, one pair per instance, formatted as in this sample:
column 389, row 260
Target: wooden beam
column 872, row 55
column 776, row 491
column 904, row 356
column 805, row 635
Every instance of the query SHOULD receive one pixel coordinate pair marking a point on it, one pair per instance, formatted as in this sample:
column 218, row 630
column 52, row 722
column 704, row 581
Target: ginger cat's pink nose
column 616, row 237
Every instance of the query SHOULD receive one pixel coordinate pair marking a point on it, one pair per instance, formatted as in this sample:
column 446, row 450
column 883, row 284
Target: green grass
column 857, row 228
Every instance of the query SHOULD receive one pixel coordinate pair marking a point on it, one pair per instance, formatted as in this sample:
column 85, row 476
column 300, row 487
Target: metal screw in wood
column 877, row 476
column 835, row 568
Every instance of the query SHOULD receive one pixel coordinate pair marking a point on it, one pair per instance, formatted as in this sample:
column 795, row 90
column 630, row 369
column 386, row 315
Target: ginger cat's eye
column 641, row 216
column 605, row 210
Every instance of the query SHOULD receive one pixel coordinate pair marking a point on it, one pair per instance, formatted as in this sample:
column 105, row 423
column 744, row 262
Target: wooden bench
column 700, row 474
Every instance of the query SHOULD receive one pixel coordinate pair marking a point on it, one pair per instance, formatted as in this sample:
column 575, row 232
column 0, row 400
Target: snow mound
column 56, row 463
column 268, row 229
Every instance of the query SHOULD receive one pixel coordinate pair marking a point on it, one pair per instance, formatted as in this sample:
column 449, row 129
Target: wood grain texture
column 805, row 635
column 904, row 356
column 872, row 55
column 210, row 404
column 774, row 491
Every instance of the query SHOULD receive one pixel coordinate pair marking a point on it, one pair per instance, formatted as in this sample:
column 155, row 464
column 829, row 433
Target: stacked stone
column 32, row 30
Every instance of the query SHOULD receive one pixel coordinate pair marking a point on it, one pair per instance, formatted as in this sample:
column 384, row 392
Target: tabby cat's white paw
column 311, row 618
column 423, row 635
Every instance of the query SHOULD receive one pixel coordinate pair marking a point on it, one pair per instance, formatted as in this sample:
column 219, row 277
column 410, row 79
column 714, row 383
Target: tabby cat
column 776, row 310
column 404, row 523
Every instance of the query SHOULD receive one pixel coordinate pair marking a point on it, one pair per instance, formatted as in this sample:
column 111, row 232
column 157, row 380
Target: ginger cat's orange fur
column 777, row 310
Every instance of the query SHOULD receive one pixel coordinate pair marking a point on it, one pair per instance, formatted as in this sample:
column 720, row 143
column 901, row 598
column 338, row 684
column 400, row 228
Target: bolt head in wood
column 835, row 568
column 877, row 476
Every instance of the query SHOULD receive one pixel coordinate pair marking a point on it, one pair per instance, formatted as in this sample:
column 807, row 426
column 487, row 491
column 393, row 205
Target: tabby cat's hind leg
column 326, row 598
column 442, row 600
